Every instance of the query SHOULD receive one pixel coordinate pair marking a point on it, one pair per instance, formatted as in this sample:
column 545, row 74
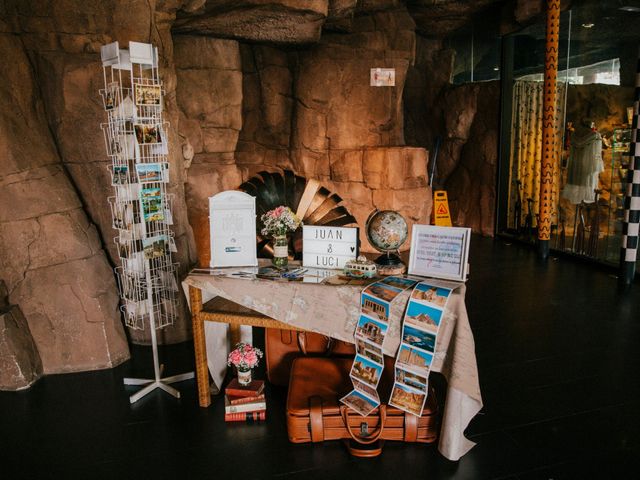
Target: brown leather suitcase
column 314, row 413
column 284, row 346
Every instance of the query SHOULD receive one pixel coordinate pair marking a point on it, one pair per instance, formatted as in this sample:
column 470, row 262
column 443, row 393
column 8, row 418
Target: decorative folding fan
column 314, row 204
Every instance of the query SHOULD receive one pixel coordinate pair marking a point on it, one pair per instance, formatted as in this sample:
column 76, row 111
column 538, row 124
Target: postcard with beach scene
column 371, row 330
column 419, row 338
column 359, row 402
column 375, row 307
column 423, row 316
column 434, row 295
column 407, row 399
column 366, row 371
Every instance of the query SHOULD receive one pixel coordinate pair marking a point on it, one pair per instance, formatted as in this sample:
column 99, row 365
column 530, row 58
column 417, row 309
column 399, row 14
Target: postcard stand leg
column 157, row 381
column 136, row 141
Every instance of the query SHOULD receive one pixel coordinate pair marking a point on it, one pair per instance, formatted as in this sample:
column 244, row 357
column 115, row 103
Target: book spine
column 247, row 407
column 243, row 400
column 245, row 417
column 232, row 392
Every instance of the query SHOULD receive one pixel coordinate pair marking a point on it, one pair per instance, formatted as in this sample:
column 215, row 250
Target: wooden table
column 224, row 311
column 334, row 311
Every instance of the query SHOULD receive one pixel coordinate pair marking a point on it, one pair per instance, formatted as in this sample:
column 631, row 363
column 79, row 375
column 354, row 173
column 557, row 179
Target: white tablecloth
column 334, row 311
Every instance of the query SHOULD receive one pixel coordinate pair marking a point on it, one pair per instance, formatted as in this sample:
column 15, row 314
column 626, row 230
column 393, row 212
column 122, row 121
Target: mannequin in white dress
column 585, row 165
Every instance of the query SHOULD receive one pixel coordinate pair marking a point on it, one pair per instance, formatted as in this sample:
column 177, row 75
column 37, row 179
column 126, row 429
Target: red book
column 245, row 417
column 234, row 389
column 242, row 400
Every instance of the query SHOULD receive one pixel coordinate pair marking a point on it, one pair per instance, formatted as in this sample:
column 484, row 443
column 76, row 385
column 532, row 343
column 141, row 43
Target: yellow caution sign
column 441, row 212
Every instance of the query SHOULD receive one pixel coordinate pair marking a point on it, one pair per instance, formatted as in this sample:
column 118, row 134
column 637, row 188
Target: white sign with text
column 328, row 247
column 440, row 252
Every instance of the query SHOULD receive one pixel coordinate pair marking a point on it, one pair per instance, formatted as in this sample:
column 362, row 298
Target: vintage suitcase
column 284, row 346
column 314, row 413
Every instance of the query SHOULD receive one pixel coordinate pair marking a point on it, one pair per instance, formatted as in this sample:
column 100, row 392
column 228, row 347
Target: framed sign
column 440, row 252
column 232, row 222
column 383, row 77
column 328, row 247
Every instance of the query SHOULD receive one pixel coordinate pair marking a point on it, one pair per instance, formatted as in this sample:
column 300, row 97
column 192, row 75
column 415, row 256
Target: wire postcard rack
column 136, row 142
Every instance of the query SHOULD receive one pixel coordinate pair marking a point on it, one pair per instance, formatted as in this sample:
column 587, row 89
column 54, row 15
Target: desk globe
column 387, row 230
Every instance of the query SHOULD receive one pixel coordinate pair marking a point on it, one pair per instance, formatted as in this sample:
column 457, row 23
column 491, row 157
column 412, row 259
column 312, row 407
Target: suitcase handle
column 344, row 411
column 302, row 344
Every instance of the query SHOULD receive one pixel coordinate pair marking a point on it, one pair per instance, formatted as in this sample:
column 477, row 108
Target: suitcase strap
column 410, row 428
column 344, row 410
column 316, row 425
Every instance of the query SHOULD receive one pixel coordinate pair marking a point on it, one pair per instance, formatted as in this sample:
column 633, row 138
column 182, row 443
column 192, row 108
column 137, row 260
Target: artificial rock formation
column 249, row 85
column 50, row 254
column 20, row 364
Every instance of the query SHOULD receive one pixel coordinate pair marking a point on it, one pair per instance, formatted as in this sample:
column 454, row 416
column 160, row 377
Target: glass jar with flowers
column 244, row 357
column 277, row 223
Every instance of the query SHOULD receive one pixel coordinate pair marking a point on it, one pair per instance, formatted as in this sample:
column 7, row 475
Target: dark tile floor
column 558, row 354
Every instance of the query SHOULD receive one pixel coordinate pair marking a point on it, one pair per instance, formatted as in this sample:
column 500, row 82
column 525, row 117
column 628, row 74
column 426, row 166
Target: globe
column 387, row 230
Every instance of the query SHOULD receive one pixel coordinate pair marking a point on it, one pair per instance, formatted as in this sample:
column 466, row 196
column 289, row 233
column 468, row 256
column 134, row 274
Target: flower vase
column 244, row 377
column 280, row 251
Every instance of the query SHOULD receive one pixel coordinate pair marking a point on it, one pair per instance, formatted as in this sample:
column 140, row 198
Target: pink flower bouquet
column 244, row 357
column 279, row 221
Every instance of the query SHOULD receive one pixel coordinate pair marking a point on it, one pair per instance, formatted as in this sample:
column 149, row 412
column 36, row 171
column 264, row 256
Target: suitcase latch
column 364, row 429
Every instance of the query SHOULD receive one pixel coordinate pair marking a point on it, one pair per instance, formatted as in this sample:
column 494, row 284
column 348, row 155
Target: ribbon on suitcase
column 420, row 328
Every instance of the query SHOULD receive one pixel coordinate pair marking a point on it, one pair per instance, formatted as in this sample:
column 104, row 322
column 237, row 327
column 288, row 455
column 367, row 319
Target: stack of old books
column 245, row 403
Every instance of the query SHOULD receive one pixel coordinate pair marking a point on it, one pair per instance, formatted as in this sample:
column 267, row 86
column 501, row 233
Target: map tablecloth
column 334, row 311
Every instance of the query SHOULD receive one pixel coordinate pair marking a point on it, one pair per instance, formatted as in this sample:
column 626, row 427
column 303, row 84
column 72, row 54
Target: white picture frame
column 232, row 229
column 440, row 252
column 328, row 247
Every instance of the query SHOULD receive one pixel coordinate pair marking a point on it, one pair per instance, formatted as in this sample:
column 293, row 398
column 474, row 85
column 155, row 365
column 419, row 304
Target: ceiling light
column 588, row 25
column 629, row 8
column 495, row 69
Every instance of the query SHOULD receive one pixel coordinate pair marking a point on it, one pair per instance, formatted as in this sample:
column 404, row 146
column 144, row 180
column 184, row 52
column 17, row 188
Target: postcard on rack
column 147, row 95
column 152, row 172
column 148, row 134
column 120, row 175
column 155, row 247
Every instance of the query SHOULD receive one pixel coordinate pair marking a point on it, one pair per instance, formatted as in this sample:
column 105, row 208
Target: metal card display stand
column 136, row 141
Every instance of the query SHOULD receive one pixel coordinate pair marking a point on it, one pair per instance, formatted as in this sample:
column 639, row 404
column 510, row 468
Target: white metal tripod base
column 152, row 384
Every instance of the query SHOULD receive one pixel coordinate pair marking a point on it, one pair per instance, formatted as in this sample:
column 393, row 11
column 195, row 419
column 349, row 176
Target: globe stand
column 390, row 264
column 388, row 258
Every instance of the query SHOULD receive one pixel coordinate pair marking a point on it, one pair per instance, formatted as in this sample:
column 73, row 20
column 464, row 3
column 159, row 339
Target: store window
column 598, row 58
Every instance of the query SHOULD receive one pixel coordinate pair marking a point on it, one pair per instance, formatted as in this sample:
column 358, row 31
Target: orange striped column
column 549, row 130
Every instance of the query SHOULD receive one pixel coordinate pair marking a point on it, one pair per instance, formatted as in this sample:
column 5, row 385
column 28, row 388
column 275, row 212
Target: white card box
column 232, row 223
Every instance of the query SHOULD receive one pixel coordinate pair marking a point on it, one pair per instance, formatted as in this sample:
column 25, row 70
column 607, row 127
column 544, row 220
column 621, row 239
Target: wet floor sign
column 441, row 212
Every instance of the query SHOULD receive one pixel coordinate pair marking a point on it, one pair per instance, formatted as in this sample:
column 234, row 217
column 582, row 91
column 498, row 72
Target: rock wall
column 467, row 120
column 51, row 256
column 250, row 85
column 63, row 39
